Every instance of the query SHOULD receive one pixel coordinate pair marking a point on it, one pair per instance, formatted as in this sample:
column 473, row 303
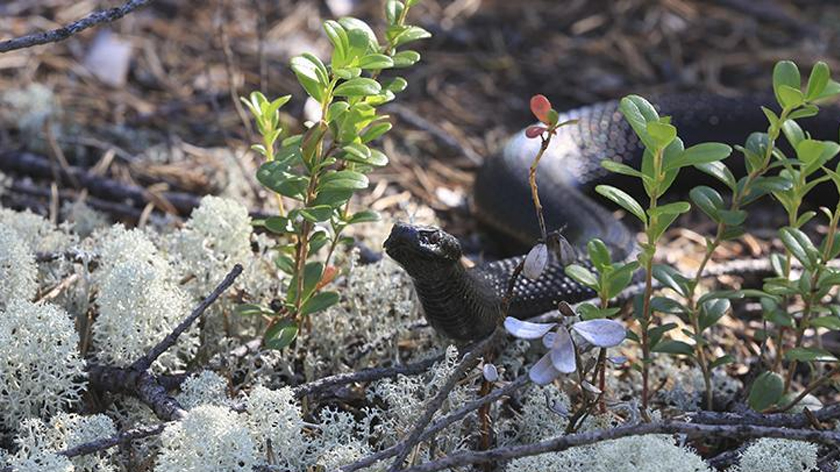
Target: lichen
column 18, row 271
column 778, row 455
column 41, row 371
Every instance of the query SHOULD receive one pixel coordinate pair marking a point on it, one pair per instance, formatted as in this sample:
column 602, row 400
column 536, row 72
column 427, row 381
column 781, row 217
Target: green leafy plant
column 321, row 169
column 663, row 158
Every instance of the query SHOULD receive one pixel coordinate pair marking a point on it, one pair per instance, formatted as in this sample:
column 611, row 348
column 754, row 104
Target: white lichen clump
column 778, row 455
column 651, row 453
column 18, row 272
column 217, row 236
column 206, row 388
column 41, row 371
column 209, row 439
column 275, row 417
column 38, row 233
column 139, row 303
column 38, row 443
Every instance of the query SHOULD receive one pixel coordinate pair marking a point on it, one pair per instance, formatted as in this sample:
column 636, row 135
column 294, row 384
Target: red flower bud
column 535, row 131
column 540, row 106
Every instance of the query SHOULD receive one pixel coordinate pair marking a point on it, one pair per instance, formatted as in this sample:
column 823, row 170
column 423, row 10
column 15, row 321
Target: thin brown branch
column 740, row 432
column 146, row 361
column 60, row 34
column 365, row 375
column 468, row 362
column 441, row 423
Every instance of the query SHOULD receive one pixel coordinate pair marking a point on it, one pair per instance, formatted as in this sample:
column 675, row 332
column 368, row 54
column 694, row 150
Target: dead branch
column 739, row 432
column 468, row 362
column 441, row 423
column 60, row 34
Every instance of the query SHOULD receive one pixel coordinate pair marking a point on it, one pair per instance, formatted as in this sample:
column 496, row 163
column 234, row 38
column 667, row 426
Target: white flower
column 561, row 358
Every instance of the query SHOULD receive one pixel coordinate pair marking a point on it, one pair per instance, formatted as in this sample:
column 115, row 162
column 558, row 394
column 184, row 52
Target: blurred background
column 150, row 100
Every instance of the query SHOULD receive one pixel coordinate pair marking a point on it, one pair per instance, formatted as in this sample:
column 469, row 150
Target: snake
column 466, row 304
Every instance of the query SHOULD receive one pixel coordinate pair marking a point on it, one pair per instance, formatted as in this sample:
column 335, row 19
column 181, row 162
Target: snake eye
column 434, row 237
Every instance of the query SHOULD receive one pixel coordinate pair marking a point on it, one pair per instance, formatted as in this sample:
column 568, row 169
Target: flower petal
column 535, row 261
column 601, row 332
column 543, row 372
column 491, row 374
column 526, row 330
column 563, row 352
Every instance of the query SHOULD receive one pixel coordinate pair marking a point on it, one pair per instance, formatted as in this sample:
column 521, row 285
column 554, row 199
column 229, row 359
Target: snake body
column 465, row 304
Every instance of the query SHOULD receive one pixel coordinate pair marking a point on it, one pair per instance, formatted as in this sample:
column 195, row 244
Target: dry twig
column 60, row 34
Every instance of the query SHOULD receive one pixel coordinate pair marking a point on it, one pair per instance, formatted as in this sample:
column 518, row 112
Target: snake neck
column 462, row 304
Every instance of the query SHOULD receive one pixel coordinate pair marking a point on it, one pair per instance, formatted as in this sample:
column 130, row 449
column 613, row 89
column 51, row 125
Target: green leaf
column 406, row 58
column 638, row 112
column 620, row 168
column 308, row 74
column 655, row 334
column 790, row 97
column 376, row 62
column 662, row 133
column 357, row 152
column 251, row 309
column 410, row 34
column 711, row 311
column 719, row 171
column 316, row 214
column 598, row 253
column 273, row 175
column 671, row 278
column 582, row 275
column 343, row 180
column 393, row 11
column 809, row 354
column 667, row 305
column 766, row 391
column 793, row 132
column 733, row 217
column 708, row 200
column 364, row 216
column 622, row 199
column 340, row 41
column 278, row 225
column 830, row 322
column 785, row 73
column 317, row 241
column 722, row 360
column 817, row 80
column 588, row 311
column 358, row 87
column 280, row 335
column 395, row 84
column 831, row 90
column 375, row 131
column 319, row 302
column 674, row 347
column 800, row 246
column 285, row 263
column 620, row 278
column 703, row 153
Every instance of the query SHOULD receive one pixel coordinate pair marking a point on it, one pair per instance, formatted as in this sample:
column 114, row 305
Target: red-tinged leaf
column 329, row 274
column 535, row 131
column 540, row 107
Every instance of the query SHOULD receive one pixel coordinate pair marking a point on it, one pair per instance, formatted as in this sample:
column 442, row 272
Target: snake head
column 419, row 247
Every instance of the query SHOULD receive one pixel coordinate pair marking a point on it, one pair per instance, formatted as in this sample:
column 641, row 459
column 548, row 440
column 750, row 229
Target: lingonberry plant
column 320, row 169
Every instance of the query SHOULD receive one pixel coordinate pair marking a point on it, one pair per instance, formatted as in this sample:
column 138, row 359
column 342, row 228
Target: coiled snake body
column 465, row 304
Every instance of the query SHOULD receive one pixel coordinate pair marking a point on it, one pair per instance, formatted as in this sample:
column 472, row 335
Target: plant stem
column 532, row 179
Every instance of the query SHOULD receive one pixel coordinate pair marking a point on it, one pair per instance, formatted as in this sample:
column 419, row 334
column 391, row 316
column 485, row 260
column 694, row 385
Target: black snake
column 465, row 304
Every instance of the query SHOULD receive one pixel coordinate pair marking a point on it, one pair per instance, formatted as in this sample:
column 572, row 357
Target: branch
column 59, row 34
column 440, row 424
column 468, row 362
column 798, row 420
column 121, row 438
column 146, row 361
column 562, row 443
column 365, row 375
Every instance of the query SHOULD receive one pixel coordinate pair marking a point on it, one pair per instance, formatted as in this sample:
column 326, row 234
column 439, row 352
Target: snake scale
column 465, row 304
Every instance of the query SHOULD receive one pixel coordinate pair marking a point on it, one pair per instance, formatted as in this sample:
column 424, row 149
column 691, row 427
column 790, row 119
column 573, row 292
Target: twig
column 562, row 443
column 121, row 438
column 365, row 375
column 799, row 420
column 441, row 423
column 59, row 34
column 146, row 361
column 468, row 362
